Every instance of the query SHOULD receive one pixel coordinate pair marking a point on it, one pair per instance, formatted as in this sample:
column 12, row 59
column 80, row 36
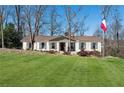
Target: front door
column 62, row 46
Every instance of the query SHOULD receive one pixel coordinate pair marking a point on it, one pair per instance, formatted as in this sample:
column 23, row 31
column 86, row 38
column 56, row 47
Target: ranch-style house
column 61, row 43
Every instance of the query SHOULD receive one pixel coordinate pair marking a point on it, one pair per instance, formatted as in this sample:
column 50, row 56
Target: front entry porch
column 62, row 46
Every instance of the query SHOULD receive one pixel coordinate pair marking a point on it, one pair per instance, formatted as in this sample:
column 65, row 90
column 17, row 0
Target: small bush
column 83, row 53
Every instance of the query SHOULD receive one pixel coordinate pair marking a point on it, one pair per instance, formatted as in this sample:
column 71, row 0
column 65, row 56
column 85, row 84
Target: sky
column 94, row 18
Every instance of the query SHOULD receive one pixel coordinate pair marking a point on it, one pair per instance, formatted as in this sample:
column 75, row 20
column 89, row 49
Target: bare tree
column 33, row 15
column 105, row 11
column 83, row 27
column 54, row 24
column 18, row 16
column 116, row 26
column 1, row 24
column 68, row 19
column 70, row 15
column 4, row 13
column 98, row 32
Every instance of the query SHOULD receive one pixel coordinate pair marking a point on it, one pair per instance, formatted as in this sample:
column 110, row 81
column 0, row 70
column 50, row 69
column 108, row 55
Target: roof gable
column 61, row 38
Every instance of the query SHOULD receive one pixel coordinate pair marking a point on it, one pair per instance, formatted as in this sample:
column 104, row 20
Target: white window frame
column 54, row 45
column 71, row 46
column 41, row 46
column 95, row 46
column 84, row 45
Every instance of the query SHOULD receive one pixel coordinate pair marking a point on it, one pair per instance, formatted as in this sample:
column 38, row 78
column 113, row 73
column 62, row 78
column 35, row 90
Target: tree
column 106, row 9
column 11, row 36
column 1, row 24
column 4, row 12
column 18, row 16
column 70, row 15
column 116, row 26
column 33, row 15
column 82, row 26
column 54, row 25
column 19, row 20
column 98, row 32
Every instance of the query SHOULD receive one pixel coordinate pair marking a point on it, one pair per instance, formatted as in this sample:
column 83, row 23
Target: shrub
column 89, row 53
column 83, row 53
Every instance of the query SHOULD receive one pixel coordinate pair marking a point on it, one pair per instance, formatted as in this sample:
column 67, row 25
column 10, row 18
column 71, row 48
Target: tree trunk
column 32, row 45
column 17, row 7
column 117, row 42
column 2, row 35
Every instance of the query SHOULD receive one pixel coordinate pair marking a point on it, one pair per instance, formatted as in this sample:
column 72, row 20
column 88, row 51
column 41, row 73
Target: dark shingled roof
column 57, row 38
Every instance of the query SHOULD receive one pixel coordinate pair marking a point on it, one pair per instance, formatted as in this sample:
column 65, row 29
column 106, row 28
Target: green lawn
column 59, row 70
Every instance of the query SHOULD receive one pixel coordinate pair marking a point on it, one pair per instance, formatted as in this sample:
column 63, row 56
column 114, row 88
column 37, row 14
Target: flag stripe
column 103, row 26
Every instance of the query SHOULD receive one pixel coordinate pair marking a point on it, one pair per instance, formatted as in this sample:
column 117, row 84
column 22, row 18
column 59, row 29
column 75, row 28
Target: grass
column 18, row 69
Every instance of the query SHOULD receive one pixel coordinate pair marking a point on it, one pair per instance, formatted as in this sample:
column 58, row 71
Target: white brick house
column 61, row 43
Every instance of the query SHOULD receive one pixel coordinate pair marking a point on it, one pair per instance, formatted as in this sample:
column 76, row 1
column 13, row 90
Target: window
column 72, row 46
column 94, row 46
column 53, row 45
column 82, row 45
column 42, row 45
column 29, row 45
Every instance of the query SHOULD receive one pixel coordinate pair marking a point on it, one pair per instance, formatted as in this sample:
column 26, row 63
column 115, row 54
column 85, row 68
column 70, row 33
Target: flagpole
column 103, row 44
column 103, row 27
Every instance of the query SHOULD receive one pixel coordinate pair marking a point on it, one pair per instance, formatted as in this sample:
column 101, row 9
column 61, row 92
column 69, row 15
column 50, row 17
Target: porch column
column 47, row 45
column 25, row 45
column 88, row 46
column 57, row 44
column 35, row 45
column 66, row 46
column 99, row 46
column 38, row 45
column 77, row 49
